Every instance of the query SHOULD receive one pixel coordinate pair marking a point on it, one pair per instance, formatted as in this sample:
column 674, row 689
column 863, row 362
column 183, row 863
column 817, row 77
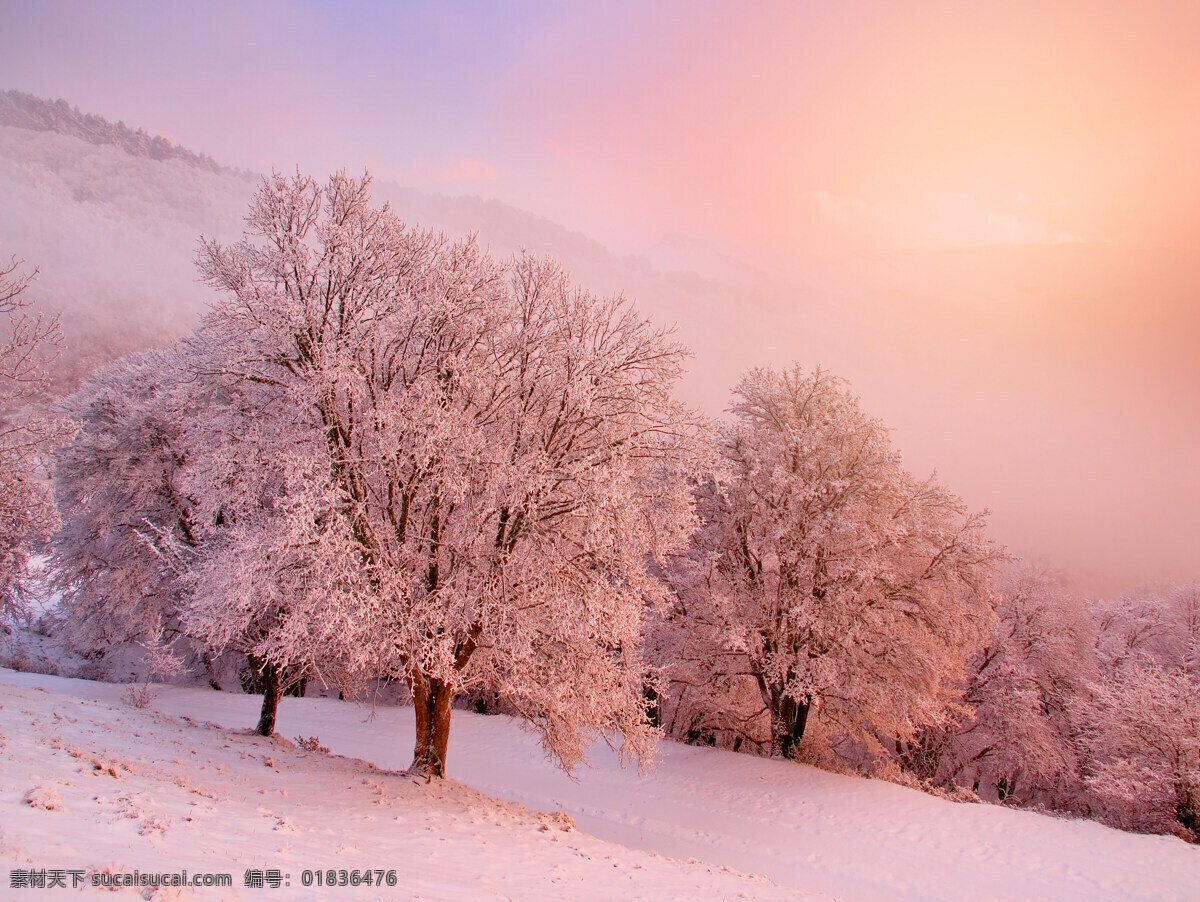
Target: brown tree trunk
column 272, row 685
column 653, row 705
column 789, row 718
column 1186, row 810
column 432, row 700
column 210, row 669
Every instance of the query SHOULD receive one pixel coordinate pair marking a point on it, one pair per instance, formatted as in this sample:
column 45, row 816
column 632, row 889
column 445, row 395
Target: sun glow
column 937, row 221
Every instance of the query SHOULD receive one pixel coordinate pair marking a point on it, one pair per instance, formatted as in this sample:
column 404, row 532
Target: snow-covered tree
column 1162, row 628
column 264, row 576
column 167, row 543
column 703, row 692
column 827, row 574
column 502, row 450
column 1185, row 604
column 1018, row 741
column 1143, row 726
column 1145, row 744
column 119, row 480
column 26, row 111
column 28, row 341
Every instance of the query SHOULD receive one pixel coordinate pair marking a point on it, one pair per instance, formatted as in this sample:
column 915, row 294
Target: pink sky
column 998, row 201
column 764, row 122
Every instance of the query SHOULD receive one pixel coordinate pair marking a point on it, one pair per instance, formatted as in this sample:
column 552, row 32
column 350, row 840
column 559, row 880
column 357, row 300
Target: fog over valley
column 1055, row 385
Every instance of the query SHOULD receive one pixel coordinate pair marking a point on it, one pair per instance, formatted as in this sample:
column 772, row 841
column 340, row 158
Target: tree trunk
column 432, row 700
column 653, row 706
column 788, row 721
column 272, row 685
column 210, row 669
column 1186, row 810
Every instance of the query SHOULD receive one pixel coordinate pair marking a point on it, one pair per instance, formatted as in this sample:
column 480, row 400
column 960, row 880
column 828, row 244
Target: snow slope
column 189, row 793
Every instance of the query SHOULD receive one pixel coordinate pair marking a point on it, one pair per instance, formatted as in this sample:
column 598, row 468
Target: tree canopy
column 827, row 573
column 492, row 458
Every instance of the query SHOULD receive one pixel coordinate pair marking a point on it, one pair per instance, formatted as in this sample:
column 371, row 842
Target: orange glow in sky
column 1042, row 121
column 986, row 215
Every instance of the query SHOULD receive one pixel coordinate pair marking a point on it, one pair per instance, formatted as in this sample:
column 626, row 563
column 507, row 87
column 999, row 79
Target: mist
column 985, row 222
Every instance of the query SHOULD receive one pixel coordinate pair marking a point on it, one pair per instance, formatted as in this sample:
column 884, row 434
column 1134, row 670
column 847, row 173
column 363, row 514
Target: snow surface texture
column 91, row 781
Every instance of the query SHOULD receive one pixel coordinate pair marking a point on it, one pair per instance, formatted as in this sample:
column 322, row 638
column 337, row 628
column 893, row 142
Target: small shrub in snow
column 101, row 769
column 311, row 744
column 21, row 662
column 138, row 696
column 559, row 820
column 44, row 797
column 152, row 825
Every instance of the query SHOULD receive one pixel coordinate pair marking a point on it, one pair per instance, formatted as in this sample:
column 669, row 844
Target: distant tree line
column 22, row 110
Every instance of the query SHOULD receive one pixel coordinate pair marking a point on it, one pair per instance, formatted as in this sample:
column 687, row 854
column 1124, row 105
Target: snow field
column 193, row 789
column 152, row 790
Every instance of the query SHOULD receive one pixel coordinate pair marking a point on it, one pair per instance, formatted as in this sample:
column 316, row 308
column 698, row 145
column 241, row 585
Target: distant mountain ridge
column 23, row 110
column 111, row 215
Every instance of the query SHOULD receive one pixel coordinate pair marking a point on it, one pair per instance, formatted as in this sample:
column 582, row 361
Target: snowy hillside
column 91, row 782
column 115, row 236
